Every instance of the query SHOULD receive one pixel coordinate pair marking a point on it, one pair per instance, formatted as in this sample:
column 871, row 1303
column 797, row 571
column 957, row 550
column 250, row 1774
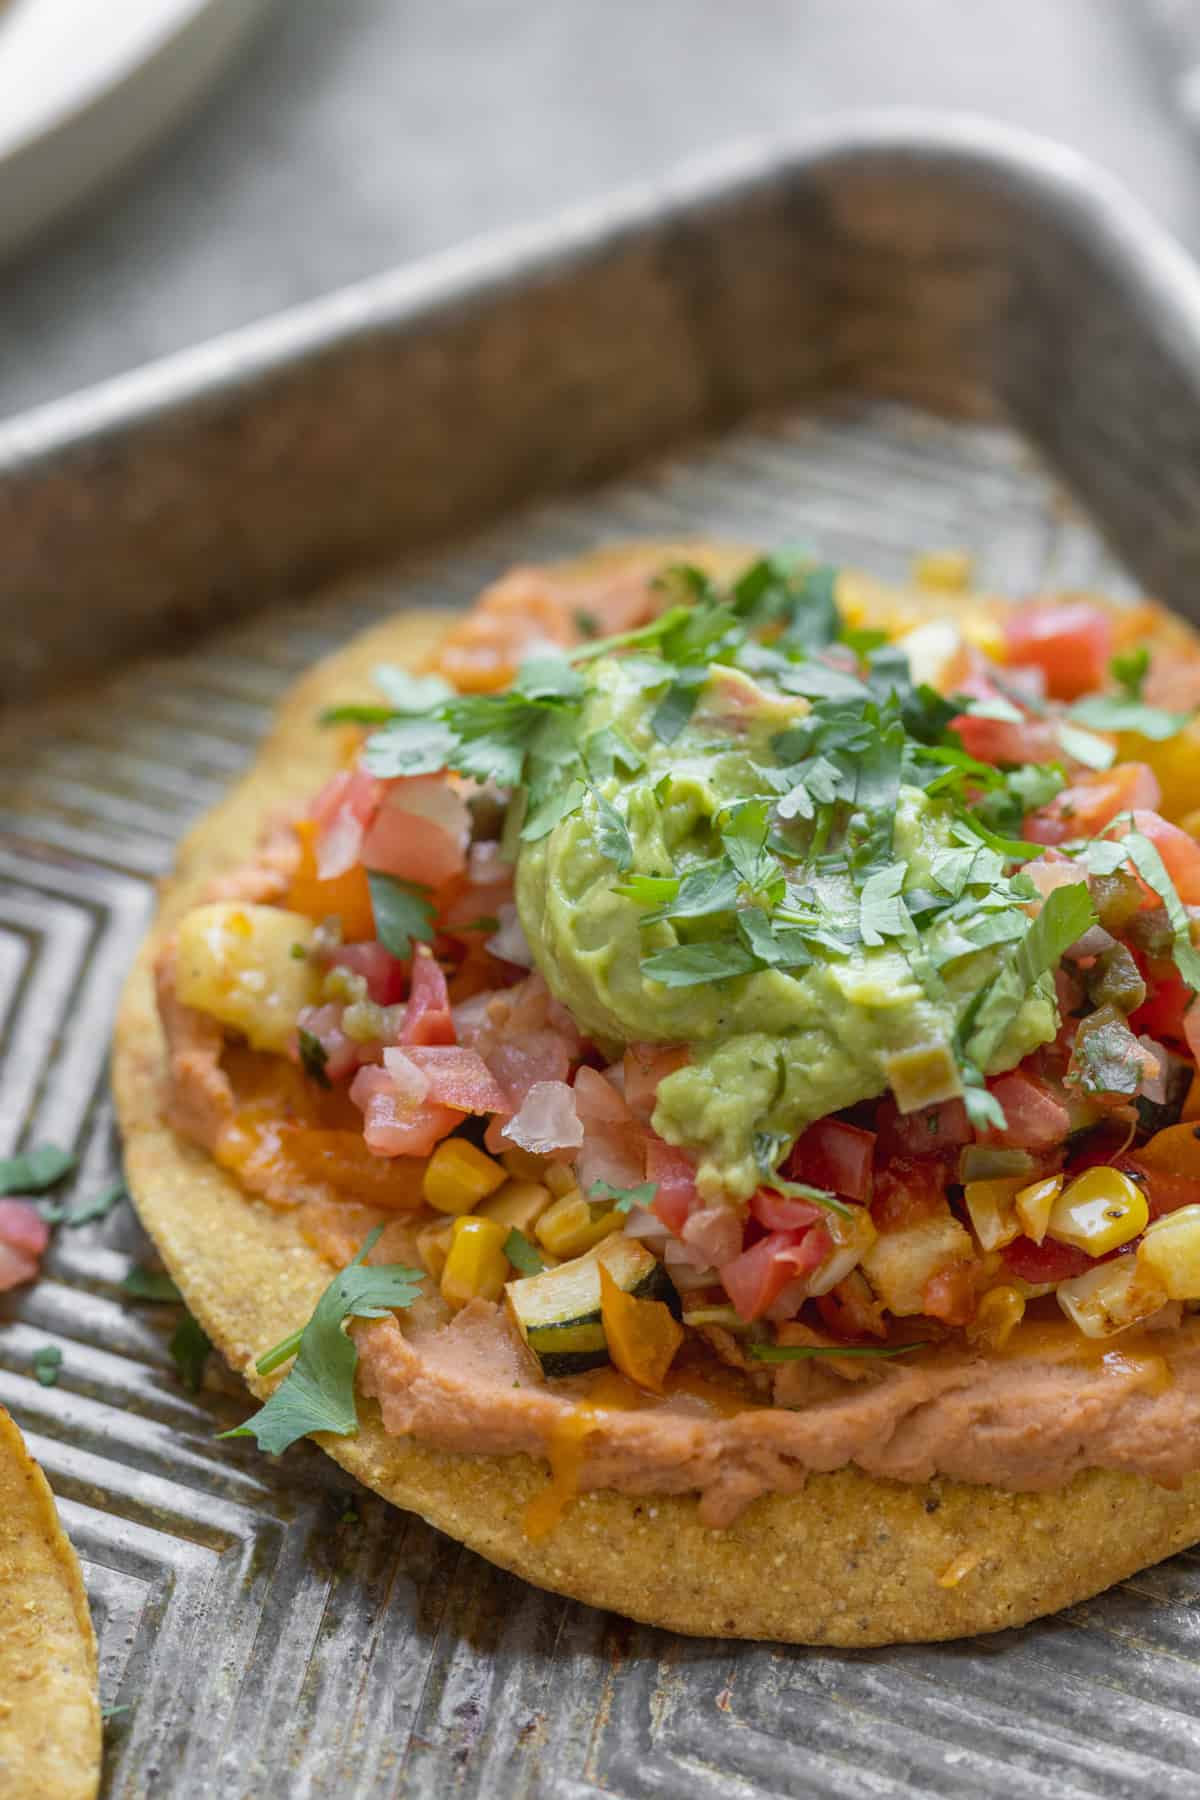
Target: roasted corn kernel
column 1035, row 1203
column 433, row 1247
column 943, row 571
column 523, row 1165
column 518, row 1204
column 1099, row 1212
column 1111, row 1297
column 1170, row 1253
column 458, row 1176
column 1000, row 1311
column 476, row 1268
column 571, row 1226
column 990, row 1206
column 559, row 1178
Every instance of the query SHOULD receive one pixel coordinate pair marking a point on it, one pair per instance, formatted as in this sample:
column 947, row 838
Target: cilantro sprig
column 317, row 1394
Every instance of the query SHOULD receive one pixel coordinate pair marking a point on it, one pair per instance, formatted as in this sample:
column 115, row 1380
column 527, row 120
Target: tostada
column 686, row 1079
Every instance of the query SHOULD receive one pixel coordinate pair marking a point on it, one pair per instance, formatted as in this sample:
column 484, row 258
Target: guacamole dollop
column 849, row 945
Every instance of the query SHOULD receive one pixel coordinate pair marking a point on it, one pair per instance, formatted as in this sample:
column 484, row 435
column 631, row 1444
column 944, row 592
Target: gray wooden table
column 362, row 133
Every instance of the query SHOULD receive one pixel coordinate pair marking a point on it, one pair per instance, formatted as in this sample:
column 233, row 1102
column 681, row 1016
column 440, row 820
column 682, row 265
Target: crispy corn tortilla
column 49, row 1710
column 851, row 1560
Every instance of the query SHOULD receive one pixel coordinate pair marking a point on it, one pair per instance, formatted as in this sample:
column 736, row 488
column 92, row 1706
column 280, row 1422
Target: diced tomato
column 1047, row 1261
column 457, row 1077
column 1036, row 1118
column 393, row 1124
column 715, row 1233
column 759, row 1275
column 940, row 1130
column 428, row 1019
column 949, row 1294
column 384, row 973
column 1001, row 741
column 674, row 1173
column 908, row 1189
column 834, row 1155
column 645, row 1066
column 420, row 832
column 1089, row 804
column 1179, row 851
column 1168, row 998
column 347, row 898
column 780, row 1212
column 24, row 1235
column 597, row 1100
column 342, row 812
column 1071, row 642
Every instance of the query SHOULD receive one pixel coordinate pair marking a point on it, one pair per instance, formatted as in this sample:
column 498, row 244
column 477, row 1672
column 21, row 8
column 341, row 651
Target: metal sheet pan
column 272, row 1631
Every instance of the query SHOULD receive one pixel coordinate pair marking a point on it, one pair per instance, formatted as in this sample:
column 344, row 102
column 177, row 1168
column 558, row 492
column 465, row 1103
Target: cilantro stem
column 271, row 1359
column 779, row 1353
column 642, row 634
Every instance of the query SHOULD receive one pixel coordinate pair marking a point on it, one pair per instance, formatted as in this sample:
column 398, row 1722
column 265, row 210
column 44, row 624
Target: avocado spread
column 740, row 829
column 782, row 1045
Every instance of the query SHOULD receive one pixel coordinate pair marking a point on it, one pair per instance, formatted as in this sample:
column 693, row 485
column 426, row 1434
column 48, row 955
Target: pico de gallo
column 735, row 962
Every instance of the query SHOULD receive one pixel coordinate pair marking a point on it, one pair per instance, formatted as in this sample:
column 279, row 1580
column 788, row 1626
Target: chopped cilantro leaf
column 785, row 1353
column 313, row 1057
column 612, row 833
column 691, row 965
column 35, row 1170
column 1129, row 670
column 649, row 890
column 410, row 693
column 154, row 1285
column 97, row 1208
column 881, row 911
column 189, row 1348
column 624, row 1198
column 710, row 888
column 548, row 678
column 47, row 1362
column 677, row 704
column 524, row 1255
column 317, row 1394
column 403, row 911
column 1113, row 712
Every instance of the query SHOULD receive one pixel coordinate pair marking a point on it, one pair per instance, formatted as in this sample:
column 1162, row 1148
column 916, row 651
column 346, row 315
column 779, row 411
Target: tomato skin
column 1162, row 1012
column 1092, row 802
column 428, row 1019
column 780, row 1212
column 836, row 1156
column 1179, row 851
column 674, row 1174
column 384, row 973
column 1047, row 1261
column 759, row 1275
column 1036, row 1118
column 999, row 741
column 1070, row 641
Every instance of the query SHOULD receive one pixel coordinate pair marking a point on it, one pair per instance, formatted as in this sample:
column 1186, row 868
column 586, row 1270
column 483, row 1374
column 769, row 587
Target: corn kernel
column 987, row 635
column 433, row 1247
column 518, row 1204
column 559, row 1178
column 945, row 571
column 458, row 1176
column 476, row 1268
column 523, row 1165
column 1111, row 1297
column 992, row 1212
column 1035, row 1203
column 1000, row 1311
column 571, row 1226
column 1170, row 1253
column 1099, row 1212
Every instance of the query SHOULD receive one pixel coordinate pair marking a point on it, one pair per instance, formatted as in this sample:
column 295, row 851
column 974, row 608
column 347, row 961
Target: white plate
column 86, row 84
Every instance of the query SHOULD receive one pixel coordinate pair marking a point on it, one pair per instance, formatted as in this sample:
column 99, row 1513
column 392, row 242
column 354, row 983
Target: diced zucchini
column 558, row 1312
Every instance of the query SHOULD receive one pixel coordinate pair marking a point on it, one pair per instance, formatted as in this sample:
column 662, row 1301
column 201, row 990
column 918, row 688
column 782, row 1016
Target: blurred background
column 172, row 168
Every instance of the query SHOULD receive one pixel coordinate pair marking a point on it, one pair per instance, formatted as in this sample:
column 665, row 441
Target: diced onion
column 510, row 943
column 547, row 1120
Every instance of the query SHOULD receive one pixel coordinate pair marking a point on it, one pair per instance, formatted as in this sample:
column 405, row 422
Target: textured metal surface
column 945, row 260
column 276, row 1632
